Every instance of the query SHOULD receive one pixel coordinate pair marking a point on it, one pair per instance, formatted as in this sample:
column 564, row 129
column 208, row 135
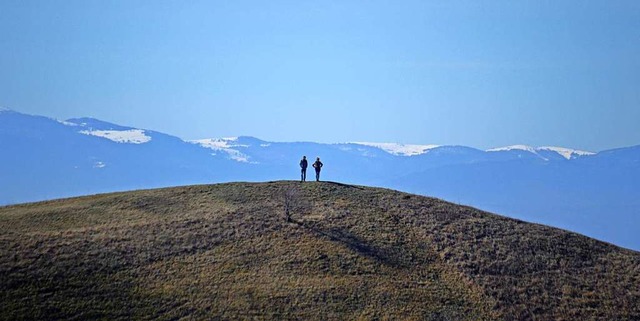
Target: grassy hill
column 228, row 251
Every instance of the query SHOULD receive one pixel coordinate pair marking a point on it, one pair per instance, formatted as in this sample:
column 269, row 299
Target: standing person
column 303, row 169
column 318, row 166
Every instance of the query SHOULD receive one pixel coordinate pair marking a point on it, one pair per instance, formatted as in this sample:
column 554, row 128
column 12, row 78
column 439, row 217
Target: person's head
column 317, row 158
column 304, row 157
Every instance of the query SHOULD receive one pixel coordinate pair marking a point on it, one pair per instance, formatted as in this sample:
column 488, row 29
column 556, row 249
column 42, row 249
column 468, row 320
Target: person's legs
column 317, row 176
column 303, row 175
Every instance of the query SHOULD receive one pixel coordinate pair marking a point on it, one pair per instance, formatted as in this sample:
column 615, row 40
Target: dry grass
column 227, row 252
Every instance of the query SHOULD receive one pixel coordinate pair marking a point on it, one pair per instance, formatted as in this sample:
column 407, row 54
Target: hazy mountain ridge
column 595, row 194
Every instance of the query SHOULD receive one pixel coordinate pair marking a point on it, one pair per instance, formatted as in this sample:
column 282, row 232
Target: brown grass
column 227, row 252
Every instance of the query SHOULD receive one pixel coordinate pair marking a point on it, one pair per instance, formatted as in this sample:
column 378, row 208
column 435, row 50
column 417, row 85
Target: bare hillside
column 229, row 252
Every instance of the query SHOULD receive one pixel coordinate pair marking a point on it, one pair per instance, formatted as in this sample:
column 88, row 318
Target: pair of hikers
column 303, row 166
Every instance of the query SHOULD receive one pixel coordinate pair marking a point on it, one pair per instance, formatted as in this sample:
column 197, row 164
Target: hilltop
column 227, row 251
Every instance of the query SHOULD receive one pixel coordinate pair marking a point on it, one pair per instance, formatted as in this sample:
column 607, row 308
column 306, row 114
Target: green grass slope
column 228, row 252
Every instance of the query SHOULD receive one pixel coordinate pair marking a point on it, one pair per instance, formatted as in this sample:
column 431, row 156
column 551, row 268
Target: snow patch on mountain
column 400, row 149
column 67, row 123
column 366, row 151
column 225, row 145
column 513, row 147
column 566, row 152
column 219, row 143
column 131, row 136
column 524, row 148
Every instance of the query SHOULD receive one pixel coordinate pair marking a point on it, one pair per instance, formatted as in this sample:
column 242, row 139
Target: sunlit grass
column 226, row 251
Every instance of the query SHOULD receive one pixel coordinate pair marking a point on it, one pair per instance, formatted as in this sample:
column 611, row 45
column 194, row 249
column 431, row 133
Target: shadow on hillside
column 344, row 185
column 391, row 256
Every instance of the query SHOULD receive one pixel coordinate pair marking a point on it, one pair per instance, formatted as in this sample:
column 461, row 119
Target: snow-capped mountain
column 544, row 152
column 228, row 146
column 596, row 194
column 44, row 158
column 400, row 149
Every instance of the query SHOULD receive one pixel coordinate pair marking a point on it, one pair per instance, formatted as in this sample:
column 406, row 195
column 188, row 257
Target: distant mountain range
column 597, row 194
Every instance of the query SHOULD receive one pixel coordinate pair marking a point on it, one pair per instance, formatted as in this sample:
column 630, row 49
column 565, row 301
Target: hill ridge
column 229, row 251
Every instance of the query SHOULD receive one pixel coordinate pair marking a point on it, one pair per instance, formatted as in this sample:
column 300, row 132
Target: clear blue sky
column 476, row 73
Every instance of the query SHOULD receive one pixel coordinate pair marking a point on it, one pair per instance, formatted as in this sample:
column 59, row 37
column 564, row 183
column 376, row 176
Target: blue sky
column 476, row 73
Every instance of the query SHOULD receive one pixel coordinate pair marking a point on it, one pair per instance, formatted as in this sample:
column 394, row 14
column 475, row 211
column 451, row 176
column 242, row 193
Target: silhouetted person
column 318, row 166
column 303, row 169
